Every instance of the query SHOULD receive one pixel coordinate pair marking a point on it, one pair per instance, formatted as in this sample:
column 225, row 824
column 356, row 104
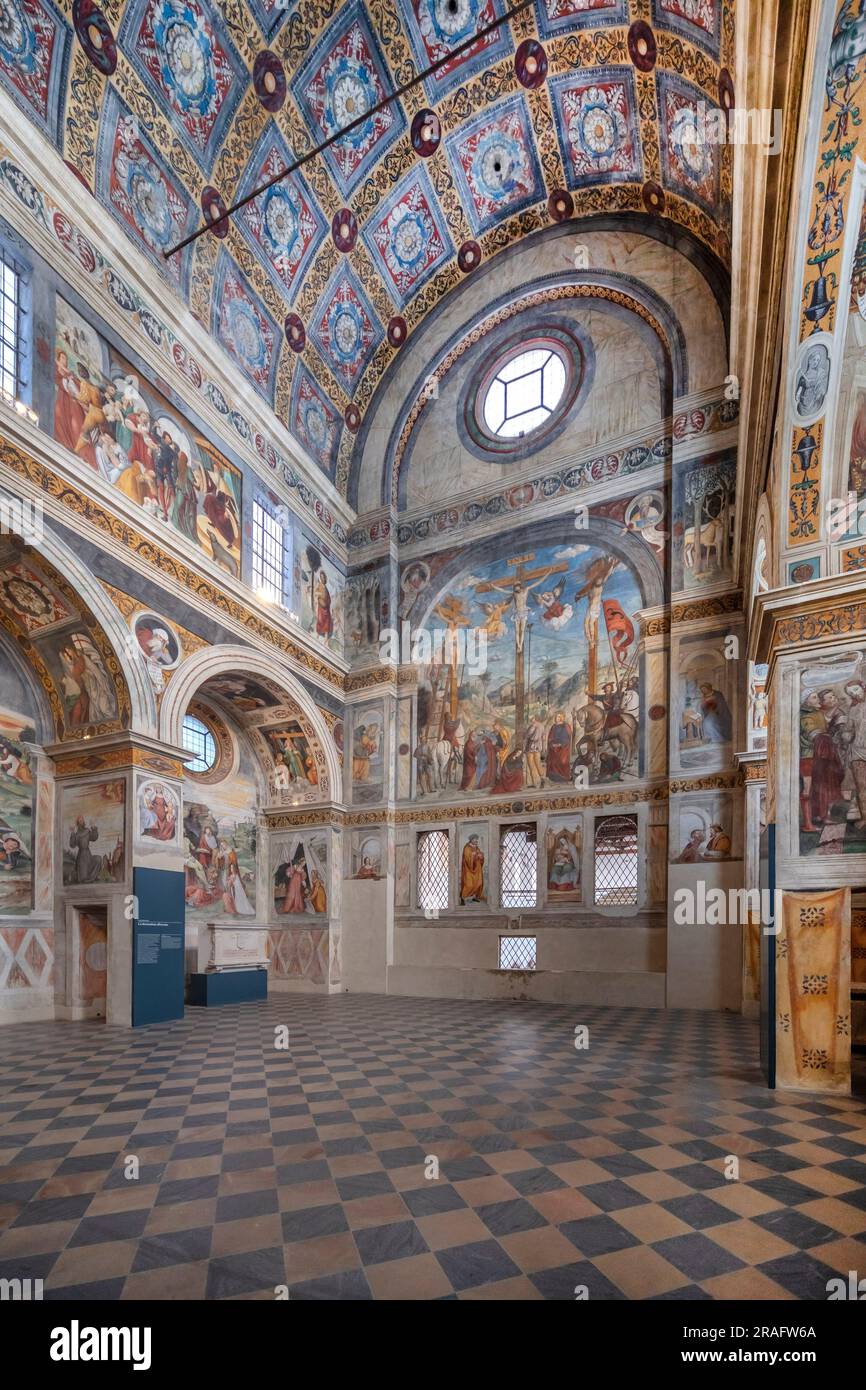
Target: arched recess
column 234, row 660
column 51, row 557
column 633, row 263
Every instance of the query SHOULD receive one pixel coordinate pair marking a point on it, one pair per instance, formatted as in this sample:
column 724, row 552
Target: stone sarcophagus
column 232, row 946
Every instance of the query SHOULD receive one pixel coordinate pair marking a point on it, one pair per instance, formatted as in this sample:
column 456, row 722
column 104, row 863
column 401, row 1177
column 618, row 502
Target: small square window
column 517, row 952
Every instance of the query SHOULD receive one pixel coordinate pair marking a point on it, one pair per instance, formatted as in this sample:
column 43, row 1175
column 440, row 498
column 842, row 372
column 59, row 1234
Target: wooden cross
column 519, row 587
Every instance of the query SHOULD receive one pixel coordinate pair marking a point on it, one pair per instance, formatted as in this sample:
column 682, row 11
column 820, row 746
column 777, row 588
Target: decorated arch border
column 823, row 287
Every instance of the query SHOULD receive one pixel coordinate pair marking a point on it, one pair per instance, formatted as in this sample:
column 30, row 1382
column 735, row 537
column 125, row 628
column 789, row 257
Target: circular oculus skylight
column 524, row 392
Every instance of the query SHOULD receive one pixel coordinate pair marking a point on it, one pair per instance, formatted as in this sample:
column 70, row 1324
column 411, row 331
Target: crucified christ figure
column 520, row 593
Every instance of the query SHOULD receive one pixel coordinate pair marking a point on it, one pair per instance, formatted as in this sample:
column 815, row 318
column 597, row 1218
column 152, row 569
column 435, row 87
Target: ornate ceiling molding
column 134, row 115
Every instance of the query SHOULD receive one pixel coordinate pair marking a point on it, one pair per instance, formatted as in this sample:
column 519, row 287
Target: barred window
column 12, row 348
column 198, row 739
column 433, row 870
column 517, row 952
column 517, row 866
column 616, row 861
column 268, row 554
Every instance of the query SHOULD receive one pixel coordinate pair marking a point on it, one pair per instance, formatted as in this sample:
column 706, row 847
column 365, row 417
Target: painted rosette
column 352, row 417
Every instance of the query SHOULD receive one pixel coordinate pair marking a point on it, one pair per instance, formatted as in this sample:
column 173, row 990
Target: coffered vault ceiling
column 163, row 107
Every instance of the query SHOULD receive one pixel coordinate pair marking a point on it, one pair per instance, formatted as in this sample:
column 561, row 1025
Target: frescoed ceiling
column 165, row 107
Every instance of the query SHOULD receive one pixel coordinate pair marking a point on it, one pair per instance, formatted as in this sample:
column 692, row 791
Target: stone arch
column 65, row 570
column 228, row 660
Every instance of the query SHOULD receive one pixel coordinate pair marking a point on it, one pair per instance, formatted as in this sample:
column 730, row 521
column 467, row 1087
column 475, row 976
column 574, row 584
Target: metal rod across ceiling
column 353, row 125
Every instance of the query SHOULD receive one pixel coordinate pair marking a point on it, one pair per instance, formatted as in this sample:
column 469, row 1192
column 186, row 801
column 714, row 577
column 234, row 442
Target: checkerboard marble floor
column 306, row 1168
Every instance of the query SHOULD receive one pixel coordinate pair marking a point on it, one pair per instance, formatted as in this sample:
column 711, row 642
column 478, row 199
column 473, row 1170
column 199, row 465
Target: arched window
column 518, row 866
column 616, row 861
column 198, row 739
column 433, row 870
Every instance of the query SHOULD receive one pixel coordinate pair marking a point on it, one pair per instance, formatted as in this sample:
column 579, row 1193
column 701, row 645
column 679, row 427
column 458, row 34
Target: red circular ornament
column 530, row 64
column 344, row 229
column 726, row 91
column 560, row 205
column 469, row 256
column 95, row 36
column 296, row 333
column 426, row 133
column 653, row 197
column 269, row 80
column 642, row 46
column 397, row 331
column 214, row 210
column 352, row 418
column 657, row 712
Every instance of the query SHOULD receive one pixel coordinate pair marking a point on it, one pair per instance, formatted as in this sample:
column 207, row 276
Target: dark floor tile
column 506, row 1218
column 310, row 1222
column 697, row 1256
column 480, row 1262
column 396, row 1241
column 579, row 1281
column 246, row 1273
column 433, row 1198
column 598, row 1235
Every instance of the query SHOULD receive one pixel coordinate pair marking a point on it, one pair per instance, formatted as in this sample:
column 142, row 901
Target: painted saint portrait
column 472, row 846
column 219, row 842
column 832, row 782
column 562, row 843
column 159, row 645
column 16, row 814
column 93, row 833
column 158, row 811
column 301, row 877
column 294, row 763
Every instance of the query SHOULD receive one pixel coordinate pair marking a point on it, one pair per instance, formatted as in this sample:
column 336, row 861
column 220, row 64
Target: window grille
column 198, row 739
column 433, row 870
column 518, row 866
column 616, row 861
column 11, row 327
column 267, row 552
column 517, row 952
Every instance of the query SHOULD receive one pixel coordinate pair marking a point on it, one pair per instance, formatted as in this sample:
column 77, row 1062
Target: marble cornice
column 825, row 612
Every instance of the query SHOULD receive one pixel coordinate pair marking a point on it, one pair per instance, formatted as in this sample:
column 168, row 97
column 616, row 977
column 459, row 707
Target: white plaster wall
column 364, row 935
column 704, row 961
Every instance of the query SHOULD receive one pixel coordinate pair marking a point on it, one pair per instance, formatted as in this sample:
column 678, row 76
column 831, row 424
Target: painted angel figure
column 554, row 613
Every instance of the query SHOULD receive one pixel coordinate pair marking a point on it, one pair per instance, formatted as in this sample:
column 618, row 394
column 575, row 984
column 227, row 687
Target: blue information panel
column 157, row 946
